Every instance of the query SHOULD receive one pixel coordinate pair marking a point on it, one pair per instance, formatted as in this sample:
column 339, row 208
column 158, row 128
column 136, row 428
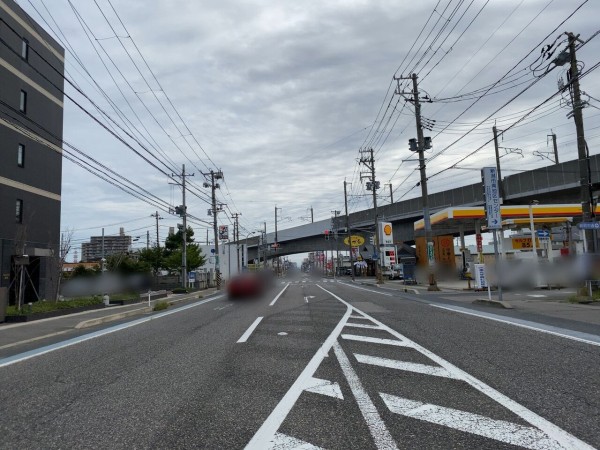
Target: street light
column 246, row 244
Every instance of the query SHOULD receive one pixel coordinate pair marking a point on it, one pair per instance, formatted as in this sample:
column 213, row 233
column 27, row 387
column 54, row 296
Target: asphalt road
column 313, row 364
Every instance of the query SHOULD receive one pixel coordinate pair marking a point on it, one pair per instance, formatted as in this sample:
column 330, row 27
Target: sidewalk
column 13, row 334
column 551, row 303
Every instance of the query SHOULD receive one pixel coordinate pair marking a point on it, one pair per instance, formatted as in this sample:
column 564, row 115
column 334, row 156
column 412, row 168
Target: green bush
column 43, row 306
column 160, row 306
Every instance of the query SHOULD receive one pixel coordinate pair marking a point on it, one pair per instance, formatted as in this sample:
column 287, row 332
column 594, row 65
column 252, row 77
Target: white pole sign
column 489, row 176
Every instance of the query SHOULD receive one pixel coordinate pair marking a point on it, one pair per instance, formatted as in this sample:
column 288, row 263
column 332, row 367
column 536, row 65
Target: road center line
column 279, row 295
column 588, row 339
column 86, row 337
column 249, row 331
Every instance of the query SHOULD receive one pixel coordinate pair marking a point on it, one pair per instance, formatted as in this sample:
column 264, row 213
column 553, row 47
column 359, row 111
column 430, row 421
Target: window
column 21, row 155
column 24, row 49
column 19, row 211
column 23, row 102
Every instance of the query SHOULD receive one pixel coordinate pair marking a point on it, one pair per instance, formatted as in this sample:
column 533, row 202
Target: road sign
column 357, row 241
column 489, row 175
column 543, row 234
column 589, row 226
column 430, row 253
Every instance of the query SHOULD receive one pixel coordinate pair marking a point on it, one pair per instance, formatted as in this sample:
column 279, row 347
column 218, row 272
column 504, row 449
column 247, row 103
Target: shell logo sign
column 386, row 237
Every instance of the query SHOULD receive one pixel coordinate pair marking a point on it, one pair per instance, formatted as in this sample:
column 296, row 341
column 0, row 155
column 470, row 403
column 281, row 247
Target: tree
column 126, row 265
column 173, row 249
column 154, row 257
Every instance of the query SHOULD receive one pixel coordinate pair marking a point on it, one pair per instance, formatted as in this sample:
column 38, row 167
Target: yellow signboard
column 524, row 243
column 357, row 241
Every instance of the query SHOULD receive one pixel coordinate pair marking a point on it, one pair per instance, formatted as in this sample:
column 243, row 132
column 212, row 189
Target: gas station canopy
column 449, row 220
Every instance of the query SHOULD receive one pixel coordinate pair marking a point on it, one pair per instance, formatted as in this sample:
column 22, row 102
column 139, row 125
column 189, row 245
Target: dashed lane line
column 499, row 430
column 249, row 331
column 279, row 295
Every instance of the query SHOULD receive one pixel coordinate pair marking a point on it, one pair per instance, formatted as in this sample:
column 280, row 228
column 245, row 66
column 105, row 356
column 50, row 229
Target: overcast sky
column 282, row 95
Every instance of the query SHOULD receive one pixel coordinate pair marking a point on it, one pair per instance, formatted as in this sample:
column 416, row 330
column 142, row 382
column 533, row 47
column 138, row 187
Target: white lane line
column 500, row 430
column 368, row 290
column 279, row 295
column 356, row 316
column 86, row 337
column 382, row 437
column 284, row 442
column 266, row 433
column 406, row 366
column 537, row 295
column 374, row 340
column 363, row 325
column 561, row 436
column 249, row 331
column 592, row 339
column 324, row 387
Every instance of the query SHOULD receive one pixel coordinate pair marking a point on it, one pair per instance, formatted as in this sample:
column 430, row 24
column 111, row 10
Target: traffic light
column 427, row 142
column 412, row 145
column 327, row 234
column 180, row 210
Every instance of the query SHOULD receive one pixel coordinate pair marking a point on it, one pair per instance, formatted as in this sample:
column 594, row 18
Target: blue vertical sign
column 489, row 175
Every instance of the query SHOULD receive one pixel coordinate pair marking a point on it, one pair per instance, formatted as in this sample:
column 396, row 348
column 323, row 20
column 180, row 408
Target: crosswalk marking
column 374, row 340
column 284, row 442
column 406, row 366
column 363, row 325
column 500, row 430
column 324, row 387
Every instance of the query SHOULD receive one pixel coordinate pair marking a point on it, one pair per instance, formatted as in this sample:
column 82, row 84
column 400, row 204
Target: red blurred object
column 245, row 286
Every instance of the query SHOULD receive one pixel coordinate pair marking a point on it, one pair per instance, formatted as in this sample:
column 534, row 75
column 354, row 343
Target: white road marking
column 324, row 387
column 561, row 436
column 306, row 299
column 592, row 340
column 279, row 295
column 537, row 295
column 368, row 290
column 406, row 366
column 219, row 308
column 282, row 333
column 86, row 337
column 265, row 435
column 285, row 442
column 500, row 430
column 363, row 325
column 356, row 316
column 374, row 340
column 249, row 331
column 382, row 437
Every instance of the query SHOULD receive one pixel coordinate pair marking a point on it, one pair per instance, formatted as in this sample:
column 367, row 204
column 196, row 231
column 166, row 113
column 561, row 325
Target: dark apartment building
column 31, row 127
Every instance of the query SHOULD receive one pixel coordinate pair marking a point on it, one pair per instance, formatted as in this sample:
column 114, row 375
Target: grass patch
column 124, row 297
column 43, row 306
column 160, row 306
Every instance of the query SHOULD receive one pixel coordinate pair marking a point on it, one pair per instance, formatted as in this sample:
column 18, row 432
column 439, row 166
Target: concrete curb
column 112, row 317
column 496, row 303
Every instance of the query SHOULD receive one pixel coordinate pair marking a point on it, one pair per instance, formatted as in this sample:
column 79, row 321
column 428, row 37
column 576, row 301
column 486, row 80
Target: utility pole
column 373, row 185
column 182, row 212
column 348, row 228
column 236, row 237
column 422, row 144
column 312, row 215
column 582, row 154
column 553, row 136
column 266, row 246
column 335, row 236
column 147, row 239
column 497, row 148
column 158, row 217
column 276, row 241
column 214, row 212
